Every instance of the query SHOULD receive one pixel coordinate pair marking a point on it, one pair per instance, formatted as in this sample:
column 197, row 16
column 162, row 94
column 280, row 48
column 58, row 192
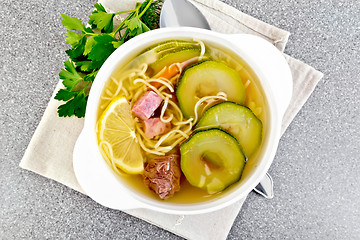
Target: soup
column 190, row 102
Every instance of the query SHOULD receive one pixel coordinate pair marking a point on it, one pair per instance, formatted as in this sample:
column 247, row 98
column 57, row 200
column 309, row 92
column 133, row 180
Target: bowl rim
column 121, row 56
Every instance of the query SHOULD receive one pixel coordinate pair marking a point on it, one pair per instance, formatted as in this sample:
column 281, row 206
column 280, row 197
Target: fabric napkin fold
column 50, row 150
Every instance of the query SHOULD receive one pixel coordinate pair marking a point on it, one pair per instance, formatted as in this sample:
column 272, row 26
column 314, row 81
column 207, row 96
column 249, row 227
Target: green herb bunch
column 91, row 46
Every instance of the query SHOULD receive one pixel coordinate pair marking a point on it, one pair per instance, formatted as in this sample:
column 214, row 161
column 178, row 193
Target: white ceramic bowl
column 99, row 181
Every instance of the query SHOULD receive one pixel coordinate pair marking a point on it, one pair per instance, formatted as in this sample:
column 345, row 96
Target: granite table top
column 315, row 171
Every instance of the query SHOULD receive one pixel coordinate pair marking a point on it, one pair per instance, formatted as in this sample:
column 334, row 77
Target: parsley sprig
column 91, row 46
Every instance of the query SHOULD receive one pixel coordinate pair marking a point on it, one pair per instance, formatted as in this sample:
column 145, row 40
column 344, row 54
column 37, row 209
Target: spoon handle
column 265, row 187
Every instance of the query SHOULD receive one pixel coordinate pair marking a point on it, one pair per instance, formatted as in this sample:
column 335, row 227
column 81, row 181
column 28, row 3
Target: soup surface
column 191, row 79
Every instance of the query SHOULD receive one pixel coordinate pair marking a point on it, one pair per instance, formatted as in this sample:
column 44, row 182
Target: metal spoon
column 265, row 187
column 182, row 13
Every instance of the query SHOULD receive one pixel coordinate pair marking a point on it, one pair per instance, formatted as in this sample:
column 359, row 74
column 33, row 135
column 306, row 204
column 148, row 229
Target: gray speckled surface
column 316, row 169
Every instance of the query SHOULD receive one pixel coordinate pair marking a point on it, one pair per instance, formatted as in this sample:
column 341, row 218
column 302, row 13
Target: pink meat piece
column 146, row 105
column 154, row 127
column 162, row 175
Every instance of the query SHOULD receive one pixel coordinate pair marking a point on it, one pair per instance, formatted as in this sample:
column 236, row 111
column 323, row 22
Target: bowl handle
column 97, row 179
column 272, row 63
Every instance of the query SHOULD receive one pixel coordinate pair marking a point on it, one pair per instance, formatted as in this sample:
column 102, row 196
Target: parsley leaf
column 73, row 38
column 76, row 99
column 64, row 95
column 88, row 45
column 72, row 23
column 76, row 106
column 101, row 50
column 91, row 46
column 76, row 52
column 70, row 76
column 91, row 76
column 103, row 21
column 99, row 7
column 144, row 27
column 133, row 23
column 117, row 44
column 85, row 66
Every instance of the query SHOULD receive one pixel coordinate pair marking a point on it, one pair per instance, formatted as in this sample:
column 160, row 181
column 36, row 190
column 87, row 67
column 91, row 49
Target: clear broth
column 254, row 93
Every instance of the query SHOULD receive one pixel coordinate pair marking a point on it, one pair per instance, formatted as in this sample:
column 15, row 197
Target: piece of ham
column 155, row 127
column 146, row 105
column 162, row 175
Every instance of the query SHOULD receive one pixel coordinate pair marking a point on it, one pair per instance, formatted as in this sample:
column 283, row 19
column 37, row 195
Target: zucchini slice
column 171, row 44
column 154, row 53
column 212, row 160
column 208, row 78
column 238, row 120
column 177, row 54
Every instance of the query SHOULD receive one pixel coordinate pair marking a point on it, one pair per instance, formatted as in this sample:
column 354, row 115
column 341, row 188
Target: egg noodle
column 133, row 83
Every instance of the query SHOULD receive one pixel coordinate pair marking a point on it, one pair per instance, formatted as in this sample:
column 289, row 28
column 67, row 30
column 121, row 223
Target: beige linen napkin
column 50, row 150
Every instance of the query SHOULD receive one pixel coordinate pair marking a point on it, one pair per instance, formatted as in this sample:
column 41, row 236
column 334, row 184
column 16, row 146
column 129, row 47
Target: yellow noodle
column 212, row 102
column 142, row 134
column 107, row 159
column 132, row 71
column 177, row 142
column 168, row 119
column 238, row 67
column 173, row 104
column 221, row 94
column 178, row 65
column 185, row 122
column 165, row 149
column 144, row 67
column 167, row 95
column 150, row 86
column 175, row 78
column 114, row 80
column 202, row 45
column 247, row 84
column 189, row 128
column 106, row 98
column 109, row 92
column 149, row 142
column 164, row 82
column 148, row 150
column 126, row 93
column 131, row 75
column 163, row 138
column 162, row 88
column 160, row 72
column 132, row 87
column 97, row 126
column 252, row 105
column 119, row 88
column 163, row 109
column 116, row 169
column 203, row 99
column 103, row 106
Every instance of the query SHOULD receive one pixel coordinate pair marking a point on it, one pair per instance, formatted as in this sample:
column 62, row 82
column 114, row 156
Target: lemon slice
column 117, row 129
